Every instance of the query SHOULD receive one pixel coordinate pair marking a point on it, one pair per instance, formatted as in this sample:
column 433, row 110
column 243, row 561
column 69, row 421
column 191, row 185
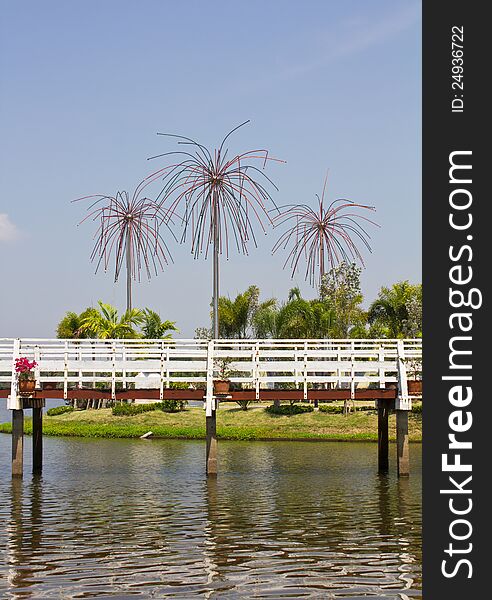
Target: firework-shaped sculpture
column 322, row 237
column 129, row 230
column 218, row 200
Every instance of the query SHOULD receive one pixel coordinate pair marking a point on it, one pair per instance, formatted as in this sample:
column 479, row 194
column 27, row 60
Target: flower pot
column 27, row 386
column 221, row 386
column 414, row 387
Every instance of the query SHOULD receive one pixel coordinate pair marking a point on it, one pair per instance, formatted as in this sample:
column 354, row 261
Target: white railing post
column 14, row 401
column 403, row 401
column 113, row 371
column 80, row 384
column 305, row 372
column 65, row 372
column 168, row 383
column 37, row 368
column 382, row 379
column 209, row 397
column 256, row 374
column 352, row 372
column 123, row 373
column 161, row 384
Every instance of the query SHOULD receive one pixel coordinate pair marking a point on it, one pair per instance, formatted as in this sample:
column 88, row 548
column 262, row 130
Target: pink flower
column 24, row 365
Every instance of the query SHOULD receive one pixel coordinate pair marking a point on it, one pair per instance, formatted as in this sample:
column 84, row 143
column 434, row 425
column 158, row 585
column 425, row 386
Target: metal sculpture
column 129, row 226
column 324, row 237
column 222, row 198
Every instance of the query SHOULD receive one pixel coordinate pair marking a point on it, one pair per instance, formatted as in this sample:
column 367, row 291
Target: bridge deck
column 233, row 396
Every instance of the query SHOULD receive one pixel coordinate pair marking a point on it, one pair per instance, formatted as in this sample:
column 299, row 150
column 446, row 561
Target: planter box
column 414, row 387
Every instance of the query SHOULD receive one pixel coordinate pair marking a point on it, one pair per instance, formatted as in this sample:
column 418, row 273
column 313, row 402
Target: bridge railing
column 257, row 364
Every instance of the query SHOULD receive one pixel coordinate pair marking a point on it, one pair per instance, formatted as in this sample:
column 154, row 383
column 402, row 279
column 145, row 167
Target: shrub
column 417, row 409
column 59, row 410
column 289, row 409
column 122, row 409
column 128, row 410
column 336, row 410
column 172, row 406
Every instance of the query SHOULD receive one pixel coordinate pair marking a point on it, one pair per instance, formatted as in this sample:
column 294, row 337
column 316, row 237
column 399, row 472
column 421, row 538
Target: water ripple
column 124, row 518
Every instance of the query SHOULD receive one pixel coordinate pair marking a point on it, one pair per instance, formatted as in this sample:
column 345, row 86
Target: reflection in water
column 124, row 518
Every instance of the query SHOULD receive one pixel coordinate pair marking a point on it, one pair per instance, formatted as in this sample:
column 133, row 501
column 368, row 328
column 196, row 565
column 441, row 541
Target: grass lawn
column 232, row 424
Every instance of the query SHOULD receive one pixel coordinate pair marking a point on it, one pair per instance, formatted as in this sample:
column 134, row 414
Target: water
column 124, row 518
column 6, row 415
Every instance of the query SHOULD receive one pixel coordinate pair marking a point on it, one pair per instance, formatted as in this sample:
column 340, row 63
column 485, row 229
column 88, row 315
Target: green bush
column 59, row 410
column 289, row 409
column 127, row 410
column 417, row 409
column 172, row 406
column 336, row 410
column 122, row 409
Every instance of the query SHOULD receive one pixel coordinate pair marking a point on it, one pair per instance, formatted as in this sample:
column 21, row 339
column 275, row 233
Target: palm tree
column 296, row 318
column 235, row 315
column 154, row 328
column 70, row 326
column 390, row 310
column 106, row 324
column 265, row 320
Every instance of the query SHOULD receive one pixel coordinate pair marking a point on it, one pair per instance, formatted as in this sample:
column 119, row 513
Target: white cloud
column 357, row 35
column 8, row 231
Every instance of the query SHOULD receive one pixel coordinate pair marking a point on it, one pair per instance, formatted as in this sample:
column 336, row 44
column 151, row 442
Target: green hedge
column 289, row 409
column 170, row 406
column 337, row 410
column 59, row 410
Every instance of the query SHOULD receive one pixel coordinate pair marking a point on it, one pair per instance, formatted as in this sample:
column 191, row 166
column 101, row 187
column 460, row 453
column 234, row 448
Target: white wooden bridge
column 305, row 370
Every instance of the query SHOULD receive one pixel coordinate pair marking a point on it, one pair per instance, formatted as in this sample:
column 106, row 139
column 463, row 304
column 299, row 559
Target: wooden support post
column 211, row 426
column 37, row 440
column 17, row 443
column 402, row 443
column 383, row 439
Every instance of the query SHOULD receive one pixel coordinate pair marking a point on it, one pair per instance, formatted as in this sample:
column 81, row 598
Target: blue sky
column 85, row 86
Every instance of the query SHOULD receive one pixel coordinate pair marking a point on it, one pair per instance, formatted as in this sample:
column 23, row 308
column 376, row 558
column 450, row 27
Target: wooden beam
column 17, row 443
column 37, row 440
column 383, row 437
column 198, row 394
column 403, row 454
column 211, row 427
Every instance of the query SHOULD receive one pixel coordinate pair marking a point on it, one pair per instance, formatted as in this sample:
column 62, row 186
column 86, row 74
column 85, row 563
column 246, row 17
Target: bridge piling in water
column 211, row 431
column 403, row 453
column 17, row 443
column 383, row 435
column 37, row 439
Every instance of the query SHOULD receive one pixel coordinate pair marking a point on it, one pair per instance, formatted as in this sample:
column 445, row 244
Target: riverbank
column 232, row 424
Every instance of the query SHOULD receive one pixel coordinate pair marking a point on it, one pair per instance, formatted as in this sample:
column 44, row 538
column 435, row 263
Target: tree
column 71, row 325
column 106, row 324
column 296, row 318
column 398, row 309
column 265, row 321
column 235, row 315
column 340, row 288
column 155, row 328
